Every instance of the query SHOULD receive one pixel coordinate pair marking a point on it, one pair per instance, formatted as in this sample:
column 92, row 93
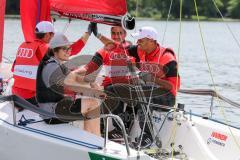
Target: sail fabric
column 107, row 7
column 91, row 10
column 2, row 14
column 32, row 12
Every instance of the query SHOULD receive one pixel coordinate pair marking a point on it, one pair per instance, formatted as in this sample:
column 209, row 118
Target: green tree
column 132, row 7
column 12, row 6
column 234, row 8
column 187, row 8
column 208, row 9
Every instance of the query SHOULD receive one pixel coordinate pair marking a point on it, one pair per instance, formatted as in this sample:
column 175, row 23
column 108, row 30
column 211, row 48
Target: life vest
column 158, row 59
column 117, row 65
column 126, row 44
column 25, row 69
column 45, row 94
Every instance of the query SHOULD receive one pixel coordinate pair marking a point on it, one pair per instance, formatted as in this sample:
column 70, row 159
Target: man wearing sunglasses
column 118, row 34
column 30, row 54
column 149, row 53
column 115, row 60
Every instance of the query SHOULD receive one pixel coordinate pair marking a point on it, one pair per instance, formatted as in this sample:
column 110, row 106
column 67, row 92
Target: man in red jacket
column 115, row 63
column 150, row 53
column 30, row 54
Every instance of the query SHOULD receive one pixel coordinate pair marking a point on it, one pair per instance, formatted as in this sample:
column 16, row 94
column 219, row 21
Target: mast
column 2, row 14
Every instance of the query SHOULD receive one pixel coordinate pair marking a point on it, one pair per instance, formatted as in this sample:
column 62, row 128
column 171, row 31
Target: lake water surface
column 222, row 51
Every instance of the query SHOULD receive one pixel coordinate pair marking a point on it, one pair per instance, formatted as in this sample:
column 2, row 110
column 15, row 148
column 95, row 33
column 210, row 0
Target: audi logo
column 25, row 53
column 150, row 67
column 118, row 56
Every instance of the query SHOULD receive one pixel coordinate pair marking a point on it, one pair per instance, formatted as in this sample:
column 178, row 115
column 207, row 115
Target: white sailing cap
column 44, row 27
column 59, row 40
column 146, row 32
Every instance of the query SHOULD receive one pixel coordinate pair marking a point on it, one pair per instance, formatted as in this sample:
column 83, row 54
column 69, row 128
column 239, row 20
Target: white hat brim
column 137, row 35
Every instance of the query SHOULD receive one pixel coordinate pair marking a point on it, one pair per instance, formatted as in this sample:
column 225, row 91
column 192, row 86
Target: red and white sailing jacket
column 28, row 57
column 160, row 56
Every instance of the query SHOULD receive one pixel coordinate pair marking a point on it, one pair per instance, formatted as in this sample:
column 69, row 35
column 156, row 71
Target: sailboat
column 178, row 134
column 38, row 140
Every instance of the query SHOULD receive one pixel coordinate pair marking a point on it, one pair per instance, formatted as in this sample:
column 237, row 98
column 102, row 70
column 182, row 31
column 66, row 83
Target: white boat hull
column 191, row 137
column 201, row 138
column 41, row 141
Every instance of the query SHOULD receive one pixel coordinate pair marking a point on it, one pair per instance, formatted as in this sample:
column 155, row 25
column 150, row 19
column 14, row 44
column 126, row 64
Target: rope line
column 218, row 99
column 174, row 129
column 166, row 25
column 224, row 20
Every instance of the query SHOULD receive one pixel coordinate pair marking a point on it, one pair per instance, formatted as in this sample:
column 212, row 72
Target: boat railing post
column 106, row 133
column 14, row 114
column 119, row 120
column 211, row 107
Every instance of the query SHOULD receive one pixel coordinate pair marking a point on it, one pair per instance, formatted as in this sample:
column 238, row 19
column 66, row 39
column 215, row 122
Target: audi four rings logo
column 25, row 53
column 150, row 67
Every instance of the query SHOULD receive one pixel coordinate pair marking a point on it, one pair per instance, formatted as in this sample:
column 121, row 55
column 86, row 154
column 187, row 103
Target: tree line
column 159, row 9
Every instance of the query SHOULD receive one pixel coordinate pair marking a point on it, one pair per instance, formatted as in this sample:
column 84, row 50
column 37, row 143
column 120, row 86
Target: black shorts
column 75, row 108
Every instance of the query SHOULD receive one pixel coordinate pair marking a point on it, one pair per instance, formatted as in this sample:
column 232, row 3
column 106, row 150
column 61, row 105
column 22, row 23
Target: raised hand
column 89, row 29
column 95, row 30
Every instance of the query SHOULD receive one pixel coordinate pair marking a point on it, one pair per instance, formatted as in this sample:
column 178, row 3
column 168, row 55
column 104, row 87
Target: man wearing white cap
column 149, row 52
column 29, row 55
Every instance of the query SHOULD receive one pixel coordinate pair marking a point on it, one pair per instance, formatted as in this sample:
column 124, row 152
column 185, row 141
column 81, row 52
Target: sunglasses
column 51, row 33
column 117, row 33
column 66, row 48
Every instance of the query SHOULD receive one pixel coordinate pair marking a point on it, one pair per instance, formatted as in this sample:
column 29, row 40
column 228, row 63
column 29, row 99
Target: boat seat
column 21, row 102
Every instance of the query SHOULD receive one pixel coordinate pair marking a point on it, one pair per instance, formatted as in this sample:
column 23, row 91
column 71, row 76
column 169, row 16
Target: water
column 222, row 51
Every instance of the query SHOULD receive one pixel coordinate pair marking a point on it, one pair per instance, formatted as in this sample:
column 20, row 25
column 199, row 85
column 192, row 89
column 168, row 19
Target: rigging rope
column 7, row 59
column 174, row 129
column 222, row 109
column 140, row 93
column 67, row 25
column 230, row 30
column 149, row 101
column 166, row 25
column 136, row 12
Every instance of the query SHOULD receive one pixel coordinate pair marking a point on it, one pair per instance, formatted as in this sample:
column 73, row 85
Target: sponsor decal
column 117, row 71
column 212, row 140
column 151, row 67
column 94, row 156
column 157, row 116
column 156, row 119
column 85, row 16
column 219, row 136
column 26, row 71
column 218, row 139
column 25, row 53
column 118, row 56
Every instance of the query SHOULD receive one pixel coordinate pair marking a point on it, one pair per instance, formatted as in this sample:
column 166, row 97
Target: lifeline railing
column 15, row 100
column 119, row 120
column 212, row 93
